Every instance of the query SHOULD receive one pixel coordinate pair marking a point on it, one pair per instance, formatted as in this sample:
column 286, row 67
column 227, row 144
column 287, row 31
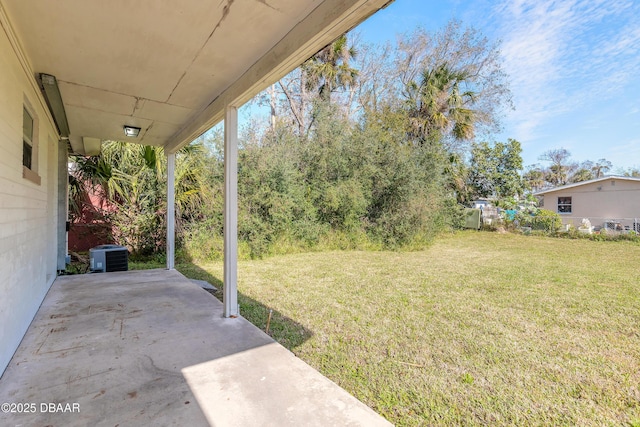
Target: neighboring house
column 613, row 201
column 74, row 73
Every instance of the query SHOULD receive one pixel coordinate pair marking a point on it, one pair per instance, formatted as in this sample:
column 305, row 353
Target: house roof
column 168, row 67
column 591, row 181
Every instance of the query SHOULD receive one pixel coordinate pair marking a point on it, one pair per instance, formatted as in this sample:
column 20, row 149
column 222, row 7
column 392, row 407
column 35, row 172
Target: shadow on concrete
column 113, row 345
column 150, row 347
column 282, row 329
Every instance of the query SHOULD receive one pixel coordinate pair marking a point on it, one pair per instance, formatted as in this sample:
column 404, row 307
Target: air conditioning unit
column 105, row 258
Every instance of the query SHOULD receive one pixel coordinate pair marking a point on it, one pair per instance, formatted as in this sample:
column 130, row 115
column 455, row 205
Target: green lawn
column 479, row 329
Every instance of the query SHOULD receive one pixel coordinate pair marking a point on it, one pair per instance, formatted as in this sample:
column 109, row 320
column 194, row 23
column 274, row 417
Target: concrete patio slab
column 152, row 348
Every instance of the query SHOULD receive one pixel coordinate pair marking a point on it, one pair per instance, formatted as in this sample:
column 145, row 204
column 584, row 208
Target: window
column 564, row 204
column 27, row 139
column 29, row 144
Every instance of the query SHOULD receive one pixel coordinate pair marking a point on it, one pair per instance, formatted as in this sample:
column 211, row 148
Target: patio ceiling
column 169, row 67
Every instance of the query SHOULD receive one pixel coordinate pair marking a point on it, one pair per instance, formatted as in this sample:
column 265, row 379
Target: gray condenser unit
column 108, row 258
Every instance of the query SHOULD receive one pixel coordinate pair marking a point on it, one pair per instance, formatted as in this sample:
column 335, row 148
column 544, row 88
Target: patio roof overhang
column 169, row 68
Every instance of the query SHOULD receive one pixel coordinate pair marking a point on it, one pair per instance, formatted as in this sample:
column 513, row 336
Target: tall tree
column 466, row 52
column 438, row 106
column 494, row 170
column 584, row 172
column 331, row 69
column 376, row 85
column 533, row 178
column 601, row 167
column 560, row 169
column 297, row 98
column 324, row 73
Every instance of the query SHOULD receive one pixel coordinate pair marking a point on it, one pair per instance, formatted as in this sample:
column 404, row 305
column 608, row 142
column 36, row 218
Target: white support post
column 63, row 205
column 171, row 211
column 230, row 289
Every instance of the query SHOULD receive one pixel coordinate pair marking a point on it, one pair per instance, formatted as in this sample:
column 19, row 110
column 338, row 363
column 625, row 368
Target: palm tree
column 534, row 178
column 130, row 182
column 601, row 167
column 321, row 75
column 581, row 174
column 192, row 189
column 330, row 69
column 561, row 168
column 438, row 106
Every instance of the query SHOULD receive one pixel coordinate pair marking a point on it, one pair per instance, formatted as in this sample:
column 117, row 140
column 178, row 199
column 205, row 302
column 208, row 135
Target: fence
column 614, row 225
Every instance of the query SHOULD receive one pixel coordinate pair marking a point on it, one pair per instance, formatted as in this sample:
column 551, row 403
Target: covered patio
column 142, row 348
column 163, row 75
column 152, row 348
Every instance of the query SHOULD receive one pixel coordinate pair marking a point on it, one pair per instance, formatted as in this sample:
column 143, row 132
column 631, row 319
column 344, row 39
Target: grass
column 478, row 329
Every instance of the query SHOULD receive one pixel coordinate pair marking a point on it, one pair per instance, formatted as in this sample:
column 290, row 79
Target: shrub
column 539, row 219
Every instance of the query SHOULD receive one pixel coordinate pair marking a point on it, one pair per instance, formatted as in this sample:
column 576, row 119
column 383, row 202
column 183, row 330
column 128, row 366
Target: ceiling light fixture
column 131, row 131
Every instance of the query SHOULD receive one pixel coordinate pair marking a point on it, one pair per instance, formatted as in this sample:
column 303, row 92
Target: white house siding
column 28, row 212
column 607, row 199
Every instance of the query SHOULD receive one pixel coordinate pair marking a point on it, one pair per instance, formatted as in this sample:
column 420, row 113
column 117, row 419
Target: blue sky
column 574, row 68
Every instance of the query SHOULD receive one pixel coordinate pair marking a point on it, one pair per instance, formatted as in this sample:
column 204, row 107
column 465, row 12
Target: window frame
column 30, row 172
column 27, row 140
column 565, row 202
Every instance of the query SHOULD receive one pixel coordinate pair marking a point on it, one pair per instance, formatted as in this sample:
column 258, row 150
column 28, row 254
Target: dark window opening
column 564, row 204
column 26, row 154
column 27, row 139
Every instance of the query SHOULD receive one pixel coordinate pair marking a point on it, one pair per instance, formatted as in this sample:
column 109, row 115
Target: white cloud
column 563, row 54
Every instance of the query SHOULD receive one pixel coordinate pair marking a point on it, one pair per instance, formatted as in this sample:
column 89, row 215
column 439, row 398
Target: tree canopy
column 562, row 170
column 367, row 147
column 495, row 170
